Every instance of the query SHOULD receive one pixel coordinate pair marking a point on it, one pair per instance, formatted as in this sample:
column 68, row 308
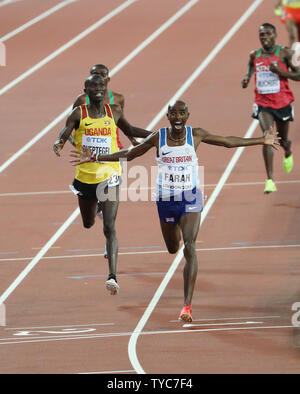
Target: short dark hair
column 100, row 66
column 172, row 105
column 90, row 77
column 268, row 25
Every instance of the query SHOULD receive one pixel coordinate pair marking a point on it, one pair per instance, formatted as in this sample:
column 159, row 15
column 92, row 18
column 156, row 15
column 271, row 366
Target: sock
column 112, row 276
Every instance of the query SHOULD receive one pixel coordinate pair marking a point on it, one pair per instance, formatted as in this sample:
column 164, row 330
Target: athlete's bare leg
column 171, row 234
column 266, row 121
column 283, row 130
column 109, row 209
column 189, row 225
column 88, row 207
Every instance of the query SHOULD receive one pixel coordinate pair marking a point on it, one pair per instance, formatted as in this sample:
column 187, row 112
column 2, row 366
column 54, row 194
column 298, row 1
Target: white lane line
column 222, row 324
column 106, row 372
column 14, row 341
column 36, row 20
column 67, row 45
column 66, row 112
column 212, row 185
column 134, row 337
column 232, row 318
column 79, row 256
column 37, row 258
column 6, row 2
column 64, row 326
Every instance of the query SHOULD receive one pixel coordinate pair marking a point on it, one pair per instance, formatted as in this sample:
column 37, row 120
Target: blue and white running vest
column 177, row 166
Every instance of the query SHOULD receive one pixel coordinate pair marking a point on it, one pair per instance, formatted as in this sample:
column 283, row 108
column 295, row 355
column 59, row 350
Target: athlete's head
column 102, row 70
column 267, row 35
column 178, row 114
column 95, row 87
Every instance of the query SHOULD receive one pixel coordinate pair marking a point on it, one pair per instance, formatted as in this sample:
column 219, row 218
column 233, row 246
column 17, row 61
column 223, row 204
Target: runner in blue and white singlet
column 179, row 199
column 178, row 182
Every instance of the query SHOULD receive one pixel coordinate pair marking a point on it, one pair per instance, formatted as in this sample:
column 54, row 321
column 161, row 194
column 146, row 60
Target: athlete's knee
column 88, row 223
column 189, row 247
column 173, row 248
column 109, row 229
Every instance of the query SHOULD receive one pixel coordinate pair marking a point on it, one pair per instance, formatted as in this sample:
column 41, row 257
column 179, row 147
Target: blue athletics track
column 56, row 315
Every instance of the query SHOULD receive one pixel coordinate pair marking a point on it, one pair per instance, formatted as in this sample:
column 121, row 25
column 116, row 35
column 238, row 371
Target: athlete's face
column 178, row 115
column 103, row 72
column 267, row 37
column 95, row 88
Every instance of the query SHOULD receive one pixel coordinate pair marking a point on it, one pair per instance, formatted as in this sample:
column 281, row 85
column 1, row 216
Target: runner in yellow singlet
column 95, row 127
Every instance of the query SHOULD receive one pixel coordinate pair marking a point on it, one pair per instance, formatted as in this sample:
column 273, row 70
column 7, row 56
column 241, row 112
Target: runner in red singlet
column 272, row 67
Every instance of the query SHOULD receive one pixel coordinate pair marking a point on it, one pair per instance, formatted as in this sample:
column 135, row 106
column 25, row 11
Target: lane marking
column 223, row 324
column 150, row 252
column 66, row 112
column 66, row 46
column 232, row 318
column 14, row 341
column 6, row 2
column 37, row 258
column 36, row 19
column 64, row 326
column 211, row 185
column 107, row 372
column 134, row 337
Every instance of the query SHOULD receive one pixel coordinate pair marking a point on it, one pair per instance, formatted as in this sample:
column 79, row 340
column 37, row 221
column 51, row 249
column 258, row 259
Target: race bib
column 267, row 82
column 114, row 180
column 97, row 145
column 177, row 178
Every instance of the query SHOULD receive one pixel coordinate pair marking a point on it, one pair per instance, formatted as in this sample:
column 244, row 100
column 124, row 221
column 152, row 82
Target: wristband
column 93, row 158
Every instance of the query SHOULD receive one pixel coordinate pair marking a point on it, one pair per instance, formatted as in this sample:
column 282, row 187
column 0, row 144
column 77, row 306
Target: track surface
column 59, row 318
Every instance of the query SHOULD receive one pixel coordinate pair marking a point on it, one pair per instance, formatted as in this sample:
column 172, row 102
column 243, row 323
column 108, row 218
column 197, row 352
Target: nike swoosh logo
column 165, row 153
column 191, row 208
column 286, row 118
column 258, row 64
column 88, row 124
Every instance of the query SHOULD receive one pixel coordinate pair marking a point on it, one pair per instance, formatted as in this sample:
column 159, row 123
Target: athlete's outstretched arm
column 129, row 154
column 270, row 138
column 71, row 124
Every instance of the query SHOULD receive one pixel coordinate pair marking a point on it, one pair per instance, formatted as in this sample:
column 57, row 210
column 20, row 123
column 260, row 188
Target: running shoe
column 112, row 286
column 288, row 163
column 186, row 314
column 270, row 186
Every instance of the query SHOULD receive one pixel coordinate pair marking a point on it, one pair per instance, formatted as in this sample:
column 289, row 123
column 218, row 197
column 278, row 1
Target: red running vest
column 270, row 89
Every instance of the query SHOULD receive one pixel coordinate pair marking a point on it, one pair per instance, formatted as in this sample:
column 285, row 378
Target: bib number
column 267, row 82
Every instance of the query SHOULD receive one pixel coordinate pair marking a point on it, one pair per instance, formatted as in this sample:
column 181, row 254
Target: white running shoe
column 112, row 286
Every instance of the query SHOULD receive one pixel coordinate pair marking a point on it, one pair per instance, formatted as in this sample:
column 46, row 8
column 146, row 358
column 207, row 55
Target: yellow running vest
column 100, row 136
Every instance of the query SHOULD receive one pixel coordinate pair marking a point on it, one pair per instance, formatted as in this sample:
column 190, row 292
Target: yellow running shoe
column 288, row 163
column 270, row 186
column 278, row 11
